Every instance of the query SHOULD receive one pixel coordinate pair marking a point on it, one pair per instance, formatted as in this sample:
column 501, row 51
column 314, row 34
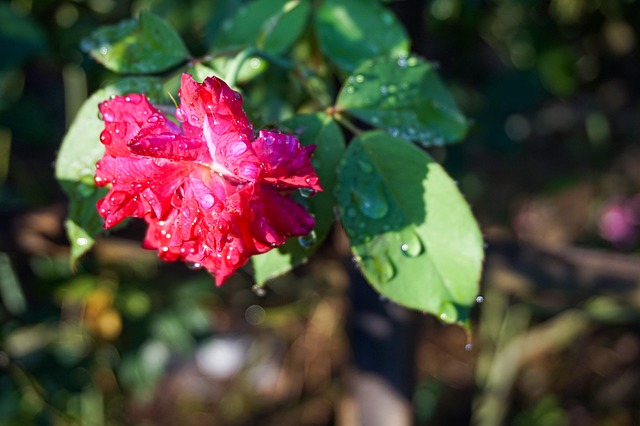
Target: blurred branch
column 29, row 384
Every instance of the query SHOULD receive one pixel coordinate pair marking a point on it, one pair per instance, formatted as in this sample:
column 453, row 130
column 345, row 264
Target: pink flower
column 211, row 194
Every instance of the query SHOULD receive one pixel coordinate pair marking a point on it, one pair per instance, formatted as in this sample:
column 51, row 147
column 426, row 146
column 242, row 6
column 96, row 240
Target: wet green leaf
column 321, row 130
column 406, row 97
column 352, row 31
column 143, row 46
column 79, row 152
column 410, row 229
column 270, row 25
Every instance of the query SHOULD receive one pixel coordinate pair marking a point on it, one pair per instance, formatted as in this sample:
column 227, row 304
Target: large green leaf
column 321, row 130
column 148, row 45
column 79, row 152
column 270, row 25
column 406, row 97
column 352, row 31
column 410, row 228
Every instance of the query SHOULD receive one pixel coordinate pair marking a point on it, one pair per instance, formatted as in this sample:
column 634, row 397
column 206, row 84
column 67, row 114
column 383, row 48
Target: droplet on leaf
column 383, row 267
column 411, row 243
column 259, row 291
column 307, row 241
column 448, row 312
column 371, row 200
column 479, row 299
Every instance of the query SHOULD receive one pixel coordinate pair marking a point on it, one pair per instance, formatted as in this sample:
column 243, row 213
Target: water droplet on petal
column 307, row 192
column 207, row 201
column 195, row 266
column 117, row 197
column 307, row 241
column 259, row 290
column 105, row 137
column 236, row 148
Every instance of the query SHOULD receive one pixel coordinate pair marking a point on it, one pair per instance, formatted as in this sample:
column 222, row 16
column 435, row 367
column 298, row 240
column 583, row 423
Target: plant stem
column 340, row 118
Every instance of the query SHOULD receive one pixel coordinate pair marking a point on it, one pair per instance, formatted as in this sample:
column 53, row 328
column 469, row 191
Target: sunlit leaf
column 353, row 31
column 270, row 25
column 142, row 46
column 406, row 97
column 410, row 229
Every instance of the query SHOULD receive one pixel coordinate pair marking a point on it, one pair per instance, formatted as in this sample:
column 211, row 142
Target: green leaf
column 79, row 152
column 270, row 25
column 149, row 45
column 321, row 130
column 406, row 97
column 410, row 229
column 353, row 31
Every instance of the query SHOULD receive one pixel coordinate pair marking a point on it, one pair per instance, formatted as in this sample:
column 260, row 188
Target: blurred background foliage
column 550, row 168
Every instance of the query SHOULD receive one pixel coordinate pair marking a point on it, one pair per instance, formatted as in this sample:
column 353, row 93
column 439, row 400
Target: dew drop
column 207, row 201
column 105, row 137
column 411, row 243
column 307, row 192
column 359, row 78
column 81, row 242
column 194, row 266
column 180, row 115
column 479, row 299
column 448, row 312
column 468, row 347
column 117, row 198
column 307, row 241
column 259, row 290
column 236, row 148
column 384, row 90
column 255, row 63
column 383, row 267
column 371, row 200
